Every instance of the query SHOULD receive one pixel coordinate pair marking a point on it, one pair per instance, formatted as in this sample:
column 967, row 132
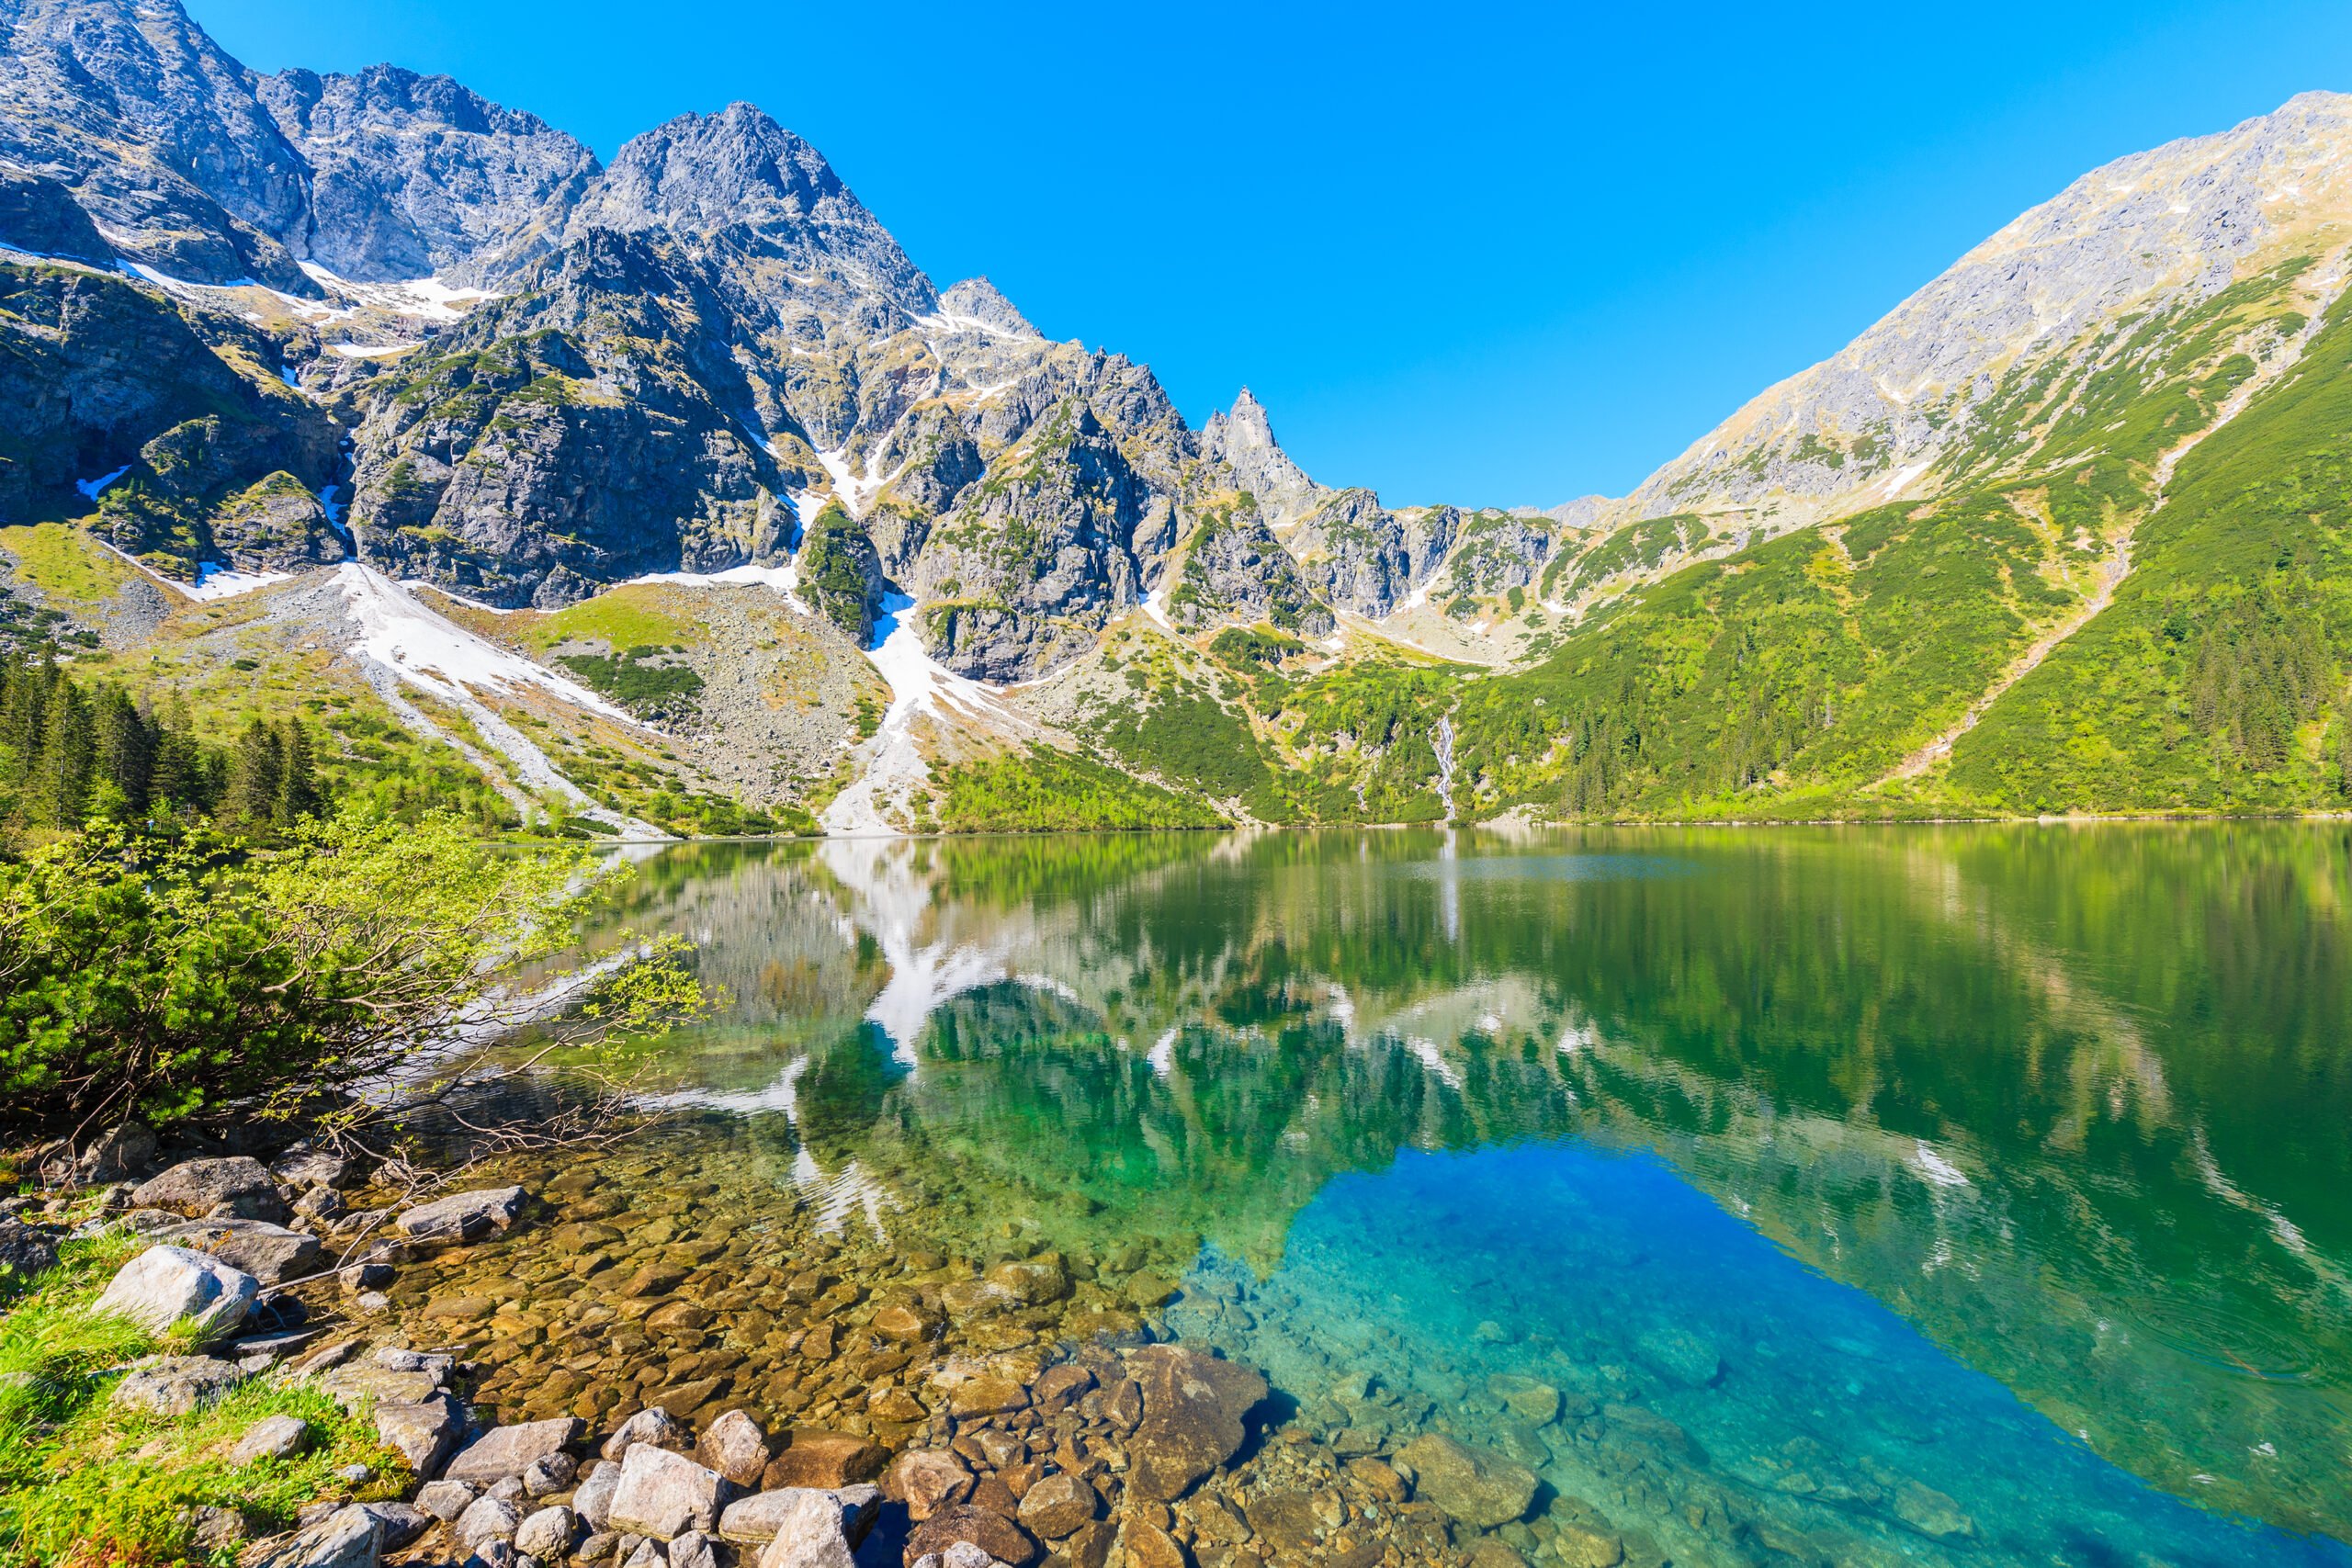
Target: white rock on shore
column 165, row 1287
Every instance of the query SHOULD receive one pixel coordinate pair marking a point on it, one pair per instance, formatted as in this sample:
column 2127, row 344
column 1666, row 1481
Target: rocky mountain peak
column 979, row 300
column 1243, row 439
column 420, row 174
column 739, row 179
column 155, row 131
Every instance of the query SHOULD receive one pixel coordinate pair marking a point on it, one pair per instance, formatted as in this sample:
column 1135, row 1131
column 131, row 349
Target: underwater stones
column 462, row 1216
column 1582, row 1546
column 1529, row 1400
column 1149, row 1291
column 993, row 1533
column 987, row 1395
column 1056, row 1387
column 663, row 1494
column 1471, row 1486
column 176, row 1385
column 1378, row 1477
column 1056, row 1506
column 655, row 1280
column 422, row 1432
column 891, row 1402
column 168, row 1287
column 1930, row 1512
column 460, row 1309
column 966, row 1298
column 1680, row 1357
column 581, row 1235
column 1031, row 1281
column 735, row 1446
column 1287, row 1521
column 905, row 1320
column 1147, row 1545
column 1191, row 1422
column 1492, row 1553
column 510, row 1450
column 821, row 1459
column 930, row 1480
column 237, row 1188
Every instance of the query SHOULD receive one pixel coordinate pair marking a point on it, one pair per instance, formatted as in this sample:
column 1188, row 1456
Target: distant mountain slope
column 1976, row 560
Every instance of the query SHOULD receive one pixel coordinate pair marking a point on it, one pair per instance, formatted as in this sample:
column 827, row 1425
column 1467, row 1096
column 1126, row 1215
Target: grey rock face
column 1496, row 551
column 979, row 300
column 165, row 1286
column 1233, row 570
column 98, row 371
column 752, row 192
column 547, row 1534
column 413, row 174
column 594, row 1500
column 1367, row 558
column 445, row 1500
column 1244, row 442
column 157, row 133
column 39, row 214
column 570, row 437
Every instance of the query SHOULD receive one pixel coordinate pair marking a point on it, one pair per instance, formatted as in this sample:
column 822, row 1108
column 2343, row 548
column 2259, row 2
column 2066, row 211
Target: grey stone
column 24, row 1251
column 203, row 1189
column 462, row 1216
column 176, row 1385
column 549, row 1473
column 597, row 1548
column 548, row 1533
column 272, row 1437
column 510, row 1450
column 647, row 1554
column 445, row 1500
column 663, row 1494
column 403, row 1523
column 350, row 1537
column 756, row 1519
column 212, row 1527
column 271, row 1254
column 593, row 1499
column 399, row 1358
column 488, row 1519
column 422, row 1432
column 693, row 1550
column 805, row 1529
column 117, row 1154
column 653, row 1426
column 166, row 1287
column 734, row 1446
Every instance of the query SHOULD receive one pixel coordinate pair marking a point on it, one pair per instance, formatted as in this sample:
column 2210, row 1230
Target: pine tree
column 297, row 786
column 126, row 750
column 255, row 772
column 58, row 792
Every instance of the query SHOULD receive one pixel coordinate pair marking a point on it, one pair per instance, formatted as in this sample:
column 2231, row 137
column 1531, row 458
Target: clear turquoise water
column 1845, row 1183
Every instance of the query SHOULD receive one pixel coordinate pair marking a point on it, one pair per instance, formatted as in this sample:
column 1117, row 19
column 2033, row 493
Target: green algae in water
column 2055, row 1117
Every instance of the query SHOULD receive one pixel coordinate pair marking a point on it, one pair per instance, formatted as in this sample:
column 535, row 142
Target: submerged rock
column 1193, row 1406
column 462, row 1216
column 1472, row 1487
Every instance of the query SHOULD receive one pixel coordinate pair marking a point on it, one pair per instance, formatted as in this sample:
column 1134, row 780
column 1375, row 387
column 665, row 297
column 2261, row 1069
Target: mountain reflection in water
column 2072, row 1104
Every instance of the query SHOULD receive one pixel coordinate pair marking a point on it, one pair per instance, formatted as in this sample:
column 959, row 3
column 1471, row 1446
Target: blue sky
column 1493, row 255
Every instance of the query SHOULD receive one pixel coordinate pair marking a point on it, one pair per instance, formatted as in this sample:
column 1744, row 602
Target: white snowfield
column 214, row 581
column 438, row 654
column 949, row 321
column 400, row 642
column 785, row 580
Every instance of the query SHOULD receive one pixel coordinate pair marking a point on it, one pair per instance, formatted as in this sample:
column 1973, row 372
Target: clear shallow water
column 1975, row 1194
